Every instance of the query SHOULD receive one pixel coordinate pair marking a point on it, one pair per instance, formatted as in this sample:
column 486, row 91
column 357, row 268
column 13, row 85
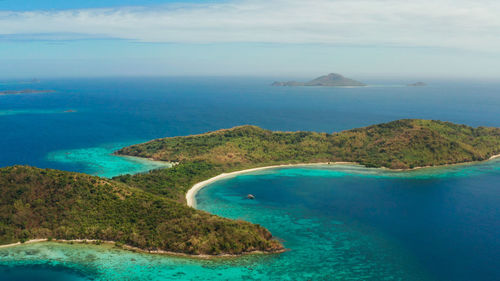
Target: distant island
column 330, row 80
column 26, row 91
column 417, row 84
column 148, row 211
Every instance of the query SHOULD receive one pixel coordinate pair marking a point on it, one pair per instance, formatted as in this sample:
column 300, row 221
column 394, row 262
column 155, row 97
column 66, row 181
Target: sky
column 279, row 38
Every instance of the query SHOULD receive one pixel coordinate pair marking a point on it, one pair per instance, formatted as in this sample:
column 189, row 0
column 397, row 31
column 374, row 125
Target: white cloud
column 463, row 24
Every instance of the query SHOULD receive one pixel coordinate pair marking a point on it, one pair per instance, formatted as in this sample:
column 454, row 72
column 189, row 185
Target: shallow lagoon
column 100, row 161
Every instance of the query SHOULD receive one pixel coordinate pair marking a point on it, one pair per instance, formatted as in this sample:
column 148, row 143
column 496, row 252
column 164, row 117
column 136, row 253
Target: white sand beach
column 19, row 243
column 494, row 156
column 191, row 194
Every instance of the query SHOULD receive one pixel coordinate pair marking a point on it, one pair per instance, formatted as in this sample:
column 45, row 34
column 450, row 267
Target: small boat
column 250, row 196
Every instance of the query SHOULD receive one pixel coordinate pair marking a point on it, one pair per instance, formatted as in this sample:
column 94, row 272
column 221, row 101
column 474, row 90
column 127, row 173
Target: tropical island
column 330, row 80
column 26, row 91
column 148, row 211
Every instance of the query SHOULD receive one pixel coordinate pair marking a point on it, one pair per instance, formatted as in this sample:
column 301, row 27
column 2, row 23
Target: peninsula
column 148, row 211
column 39, row 204
column 330, row 80
column 401, row 144
column 26, row 91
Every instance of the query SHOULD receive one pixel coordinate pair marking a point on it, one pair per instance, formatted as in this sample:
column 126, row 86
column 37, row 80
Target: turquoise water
column 338, row 222
column 100, row 161
column 353, row 223
column 89, row 262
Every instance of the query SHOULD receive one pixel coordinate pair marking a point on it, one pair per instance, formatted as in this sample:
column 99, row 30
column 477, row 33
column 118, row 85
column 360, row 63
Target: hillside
column 44, row 203
column 401, row 144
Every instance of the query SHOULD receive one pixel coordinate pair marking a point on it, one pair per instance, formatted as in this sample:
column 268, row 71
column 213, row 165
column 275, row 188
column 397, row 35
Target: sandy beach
column 19, row 243
column 191, row 194
column 56, row 240
column 139, row 250
column 494, row 156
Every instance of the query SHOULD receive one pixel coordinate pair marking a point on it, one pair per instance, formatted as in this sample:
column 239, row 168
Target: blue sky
column 292, row 38
column 30, row 5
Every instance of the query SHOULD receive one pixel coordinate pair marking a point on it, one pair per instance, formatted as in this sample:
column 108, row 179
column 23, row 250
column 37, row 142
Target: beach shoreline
column 494, row 157
column 19, row 243
column 191, row 194
column 191, row 202
column 139, row 250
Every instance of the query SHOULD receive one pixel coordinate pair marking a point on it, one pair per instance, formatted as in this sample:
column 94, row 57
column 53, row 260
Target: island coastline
column 139, row 250
column 193, row 191
column 229, row 153
column 191, row 202
column 494, row 157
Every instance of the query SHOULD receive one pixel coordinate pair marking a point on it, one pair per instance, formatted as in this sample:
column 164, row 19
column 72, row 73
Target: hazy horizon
column 362, row 39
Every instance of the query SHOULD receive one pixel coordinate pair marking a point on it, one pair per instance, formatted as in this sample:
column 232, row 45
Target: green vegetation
column 53, row 204
column 174, row 182
column 146, row 210
column 399, row 144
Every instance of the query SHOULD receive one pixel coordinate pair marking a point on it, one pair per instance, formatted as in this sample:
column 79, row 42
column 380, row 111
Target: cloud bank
column 461, row 24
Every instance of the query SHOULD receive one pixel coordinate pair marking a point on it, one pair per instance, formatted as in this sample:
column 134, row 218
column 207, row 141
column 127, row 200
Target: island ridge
column 401, row 144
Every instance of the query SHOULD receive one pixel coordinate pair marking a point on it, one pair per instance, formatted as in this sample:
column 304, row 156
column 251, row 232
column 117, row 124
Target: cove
column 371, row 224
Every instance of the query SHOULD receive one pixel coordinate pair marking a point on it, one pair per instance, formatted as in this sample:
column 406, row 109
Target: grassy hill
column 399, row 144
column 46, row 203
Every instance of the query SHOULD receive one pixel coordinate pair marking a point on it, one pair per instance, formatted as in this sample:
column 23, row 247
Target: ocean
column 338, row 222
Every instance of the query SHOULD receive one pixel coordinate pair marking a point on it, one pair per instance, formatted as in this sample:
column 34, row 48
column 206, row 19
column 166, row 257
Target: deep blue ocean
column 339, row 222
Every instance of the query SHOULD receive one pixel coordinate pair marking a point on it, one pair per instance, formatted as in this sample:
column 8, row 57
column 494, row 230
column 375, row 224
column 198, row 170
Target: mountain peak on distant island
column 331, row 76
column 329, row 80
